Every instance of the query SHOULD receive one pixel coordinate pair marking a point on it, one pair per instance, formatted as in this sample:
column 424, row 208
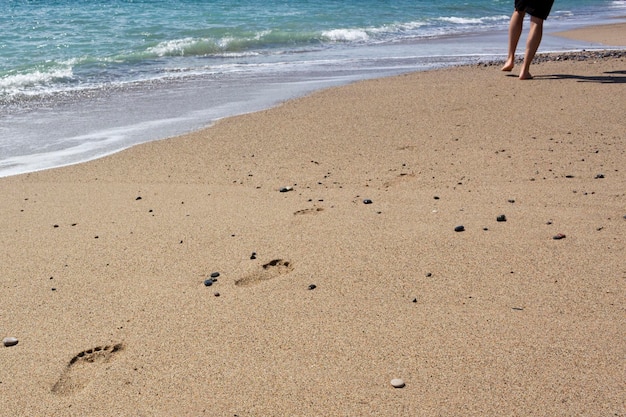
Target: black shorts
column 537, row 8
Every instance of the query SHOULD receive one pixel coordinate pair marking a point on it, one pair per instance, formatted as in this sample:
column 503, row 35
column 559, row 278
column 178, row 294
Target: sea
column 81, row 79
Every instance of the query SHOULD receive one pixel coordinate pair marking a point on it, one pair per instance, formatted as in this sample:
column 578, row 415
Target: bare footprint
column 270, row 270
column 399, row 179
column 83, row 368
column 314, row 210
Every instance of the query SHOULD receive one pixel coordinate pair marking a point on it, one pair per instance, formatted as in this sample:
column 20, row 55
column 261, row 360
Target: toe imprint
column 270, row 270
column 83, row 368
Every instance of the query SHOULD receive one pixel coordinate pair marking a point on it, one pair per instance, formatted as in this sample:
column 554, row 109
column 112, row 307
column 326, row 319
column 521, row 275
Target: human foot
column 508, row 65
column 525, row 76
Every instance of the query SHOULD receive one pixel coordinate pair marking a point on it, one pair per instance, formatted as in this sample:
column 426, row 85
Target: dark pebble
column 518, row 308
column 54, row 289
column 511, row 201
column 55, row 226
column 428, row 275
column 599, row 176
column 138, row 198
column 569, row 176
column 367, row 201
column 312, row 287
column 215, row 274
column 208, row 282
column 436, row 197
column 253, row 256
column 217, row 294
column 501, row 218
column 415, row 300
column 285, row 189
column 559, row 236
column 459, row 229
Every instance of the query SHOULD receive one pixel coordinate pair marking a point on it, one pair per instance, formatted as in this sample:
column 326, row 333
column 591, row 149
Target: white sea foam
column 350, row 35
column 171, row 47
column 473, row 21
column 12, row 84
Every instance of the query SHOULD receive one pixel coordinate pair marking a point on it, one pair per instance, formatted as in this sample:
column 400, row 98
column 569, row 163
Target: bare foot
column 525, row 76
column 508, row 65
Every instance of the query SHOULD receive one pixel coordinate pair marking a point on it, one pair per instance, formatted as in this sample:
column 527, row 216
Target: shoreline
column 322, row 299
column 119, row 119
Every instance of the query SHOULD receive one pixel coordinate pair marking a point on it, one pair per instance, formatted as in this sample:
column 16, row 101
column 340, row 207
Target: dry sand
column 612, row 35
column 104, row 290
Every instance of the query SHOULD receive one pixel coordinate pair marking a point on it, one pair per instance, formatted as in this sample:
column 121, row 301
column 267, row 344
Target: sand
column 103, row 263
column 609, row 35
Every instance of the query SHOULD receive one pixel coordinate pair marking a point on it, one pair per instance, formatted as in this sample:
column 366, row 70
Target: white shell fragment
column 9, row 341
column 397, row 383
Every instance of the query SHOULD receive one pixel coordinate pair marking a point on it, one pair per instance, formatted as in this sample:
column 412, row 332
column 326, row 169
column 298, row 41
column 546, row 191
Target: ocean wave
column 13, row 83
column 235, row 46
column 343, row 35
column 473, row 20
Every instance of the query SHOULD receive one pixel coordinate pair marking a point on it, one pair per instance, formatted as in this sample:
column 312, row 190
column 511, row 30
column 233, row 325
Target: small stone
column 285, row 189
column 217, row 294
column 138, row 198
column 312, row 287
column 9, row 341
column 599, row 176
column 367, row 201
column 215, row 274
column 459, row 228
column 559, row 236
column 208, row 282
column 429, row 274
column 397, row 383
column 253, row 256
column 501, row 218
column 436, row 197
column 415, row 300
column 511, row 201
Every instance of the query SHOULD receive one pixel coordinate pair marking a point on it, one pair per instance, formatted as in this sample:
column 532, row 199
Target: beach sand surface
column 611, row 35
column 103, row 263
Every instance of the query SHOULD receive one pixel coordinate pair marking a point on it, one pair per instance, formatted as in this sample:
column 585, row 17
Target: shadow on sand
column 610, row 77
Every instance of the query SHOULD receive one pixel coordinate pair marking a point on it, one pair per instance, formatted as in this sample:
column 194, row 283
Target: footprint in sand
column 270, row 270
column 309, row 211
column 83, row 368
column 399, row 179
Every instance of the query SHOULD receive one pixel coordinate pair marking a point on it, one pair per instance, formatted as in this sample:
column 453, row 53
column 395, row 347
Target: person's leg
column 532, row 44
column 515, row 31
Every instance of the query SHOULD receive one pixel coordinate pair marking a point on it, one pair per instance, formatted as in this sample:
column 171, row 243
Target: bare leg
column 515, row 31
column 532, row 44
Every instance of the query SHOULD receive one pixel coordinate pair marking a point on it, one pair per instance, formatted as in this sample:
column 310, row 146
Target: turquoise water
column 189, row 62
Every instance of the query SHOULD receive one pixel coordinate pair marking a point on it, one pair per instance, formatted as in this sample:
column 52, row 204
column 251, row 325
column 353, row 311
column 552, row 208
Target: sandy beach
column 613, row 35
column 331, row 222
